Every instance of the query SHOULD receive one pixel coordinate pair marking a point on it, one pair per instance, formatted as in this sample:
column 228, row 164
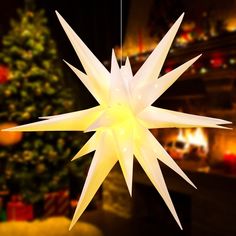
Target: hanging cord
column 121, row 32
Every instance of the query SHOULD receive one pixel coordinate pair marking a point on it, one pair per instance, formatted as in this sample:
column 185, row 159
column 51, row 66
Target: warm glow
column 8, row 139
column 181, row 136
column 231, row 24
column 197, row 137
column 123, row 118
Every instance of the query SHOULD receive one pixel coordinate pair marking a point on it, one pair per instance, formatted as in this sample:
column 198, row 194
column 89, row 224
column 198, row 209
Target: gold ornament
column 9, row 138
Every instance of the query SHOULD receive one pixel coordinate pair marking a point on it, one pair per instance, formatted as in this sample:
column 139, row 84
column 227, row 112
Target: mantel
column 224, row 43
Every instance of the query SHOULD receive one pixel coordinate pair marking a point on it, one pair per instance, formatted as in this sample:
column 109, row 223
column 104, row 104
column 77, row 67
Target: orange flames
column 196, row 137
column 190, row 143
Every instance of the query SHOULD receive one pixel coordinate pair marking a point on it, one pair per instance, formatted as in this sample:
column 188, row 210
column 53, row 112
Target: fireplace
column 185, row 144
column 201, row 149
column 208, row 156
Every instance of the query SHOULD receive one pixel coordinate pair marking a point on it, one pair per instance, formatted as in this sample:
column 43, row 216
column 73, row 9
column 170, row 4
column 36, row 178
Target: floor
column 56, row 226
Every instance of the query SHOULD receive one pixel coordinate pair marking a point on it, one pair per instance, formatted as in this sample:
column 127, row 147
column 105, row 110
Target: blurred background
column 37, row 179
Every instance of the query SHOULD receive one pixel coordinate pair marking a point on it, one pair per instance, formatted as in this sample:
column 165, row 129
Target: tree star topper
column 123, row 117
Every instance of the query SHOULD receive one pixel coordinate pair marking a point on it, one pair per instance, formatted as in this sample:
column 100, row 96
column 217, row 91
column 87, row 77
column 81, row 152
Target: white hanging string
column 121, row 32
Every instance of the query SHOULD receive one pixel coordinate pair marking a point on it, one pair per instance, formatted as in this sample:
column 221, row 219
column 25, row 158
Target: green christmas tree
column 39, row 162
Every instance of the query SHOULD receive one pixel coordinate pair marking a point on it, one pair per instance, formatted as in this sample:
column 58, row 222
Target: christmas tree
column 31, row 86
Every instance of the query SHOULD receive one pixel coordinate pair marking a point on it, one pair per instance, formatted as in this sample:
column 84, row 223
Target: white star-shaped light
column 123, row 118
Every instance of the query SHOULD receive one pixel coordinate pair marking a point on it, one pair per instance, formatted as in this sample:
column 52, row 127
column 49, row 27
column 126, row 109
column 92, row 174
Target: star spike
column 92, row 86
column 118, row 90
column 88, row 147
column 65, row 122
column 126, row 71
column 124, row 150
column 73, row 113
column 156, row 149
column 154, row 117
column 151, row 167
column 101, row 165
column 153, row 90
column 95, row 70
column 151, row 68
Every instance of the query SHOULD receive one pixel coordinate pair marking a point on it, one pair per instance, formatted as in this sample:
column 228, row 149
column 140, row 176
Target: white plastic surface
column 123, row 117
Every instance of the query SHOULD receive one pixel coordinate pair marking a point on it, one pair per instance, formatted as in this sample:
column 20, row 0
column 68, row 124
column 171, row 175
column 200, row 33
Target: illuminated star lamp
column 123, row 118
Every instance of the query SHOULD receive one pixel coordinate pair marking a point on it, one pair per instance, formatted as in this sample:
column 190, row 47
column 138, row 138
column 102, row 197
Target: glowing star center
column 121, row 113
column 117, row 116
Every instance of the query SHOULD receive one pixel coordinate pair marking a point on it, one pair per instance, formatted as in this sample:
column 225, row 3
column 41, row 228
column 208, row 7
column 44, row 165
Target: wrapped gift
column 56, row 204
column 17, row 210
column 50, row 204
column 63, row 203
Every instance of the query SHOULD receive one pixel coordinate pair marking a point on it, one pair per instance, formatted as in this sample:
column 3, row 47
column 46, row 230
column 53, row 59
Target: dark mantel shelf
column 224, row 43
column 213, row 210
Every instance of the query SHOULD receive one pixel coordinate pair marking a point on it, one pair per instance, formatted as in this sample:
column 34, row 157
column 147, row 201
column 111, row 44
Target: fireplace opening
column 152, row 214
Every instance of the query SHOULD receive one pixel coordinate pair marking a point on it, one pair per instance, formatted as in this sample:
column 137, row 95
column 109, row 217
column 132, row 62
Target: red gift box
column 50, row 204
column 56, row 204
column 17, row 210
column 63, row 203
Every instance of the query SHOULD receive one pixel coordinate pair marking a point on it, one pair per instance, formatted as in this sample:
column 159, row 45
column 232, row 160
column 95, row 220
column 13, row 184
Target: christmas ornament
column 217, row 60
column 9, row 138
column 4, row 74
column 123, row 118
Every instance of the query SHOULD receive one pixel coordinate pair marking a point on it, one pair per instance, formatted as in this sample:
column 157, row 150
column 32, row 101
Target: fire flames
column 195, row 137
column 189, row 143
